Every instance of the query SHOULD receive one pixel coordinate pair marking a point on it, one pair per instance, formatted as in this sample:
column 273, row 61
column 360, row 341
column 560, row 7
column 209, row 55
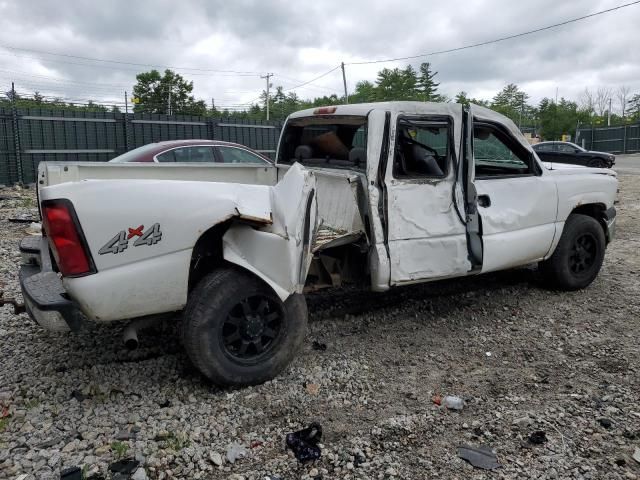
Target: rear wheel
column 237, row 331
column 578, row 256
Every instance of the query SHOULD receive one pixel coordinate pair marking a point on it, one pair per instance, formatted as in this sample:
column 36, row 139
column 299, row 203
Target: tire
column 578, row 256
column 596, row 163
column 238, row 332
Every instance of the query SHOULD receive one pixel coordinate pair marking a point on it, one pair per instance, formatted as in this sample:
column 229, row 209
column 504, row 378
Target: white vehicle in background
column 381, row 194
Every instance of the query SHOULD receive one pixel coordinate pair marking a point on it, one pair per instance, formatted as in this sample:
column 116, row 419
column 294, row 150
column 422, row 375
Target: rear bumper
column 44, row 295
column 610, row 221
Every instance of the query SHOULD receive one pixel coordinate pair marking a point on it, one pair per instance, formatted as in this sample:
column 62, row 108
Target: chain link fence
column 29, row 136
column 622, row 139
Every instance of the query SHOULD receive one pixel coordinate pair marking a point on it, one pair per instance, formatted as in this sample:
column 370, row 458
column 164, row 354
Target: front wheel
column 237, row 331
column 578, row 256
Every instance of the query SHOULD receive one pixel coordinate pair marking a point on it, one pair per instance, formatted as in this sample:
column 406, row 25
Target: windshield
column 135, row 154
column 330, row 141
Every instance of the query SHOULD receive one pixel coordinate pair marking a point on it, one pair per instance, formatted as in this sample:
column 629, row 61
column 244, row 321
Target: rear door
column 426, row 233
column 517, row 198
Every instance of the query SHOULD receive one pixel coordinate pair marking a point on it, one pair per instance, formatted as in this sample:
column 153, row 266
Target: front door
column 426, row 234
column 517, row 198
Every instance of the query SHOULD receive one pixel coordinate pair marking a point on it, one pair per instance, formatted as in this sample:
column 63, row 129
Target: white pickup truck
column 380, row 194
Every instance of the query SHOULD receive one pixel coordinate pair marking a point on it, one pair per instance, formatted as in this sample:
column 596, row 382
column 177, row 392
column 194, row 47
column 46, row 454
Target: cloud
column 300, row 40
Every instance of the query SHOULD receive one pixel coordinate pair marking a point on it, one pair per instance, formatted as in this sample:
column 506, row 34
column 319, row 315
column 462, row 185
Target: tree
column 587, row 101
column 634, row 107
column 168, row 93
column 622, row 95
column 364, row 92
column 601, row 100
column 512, row 102
column 427, row 86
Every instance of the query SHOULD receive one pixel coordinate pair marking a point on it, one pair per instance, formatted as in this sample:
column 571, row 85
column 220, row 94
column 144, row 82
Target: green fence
column 623, row 139
column 29, row 136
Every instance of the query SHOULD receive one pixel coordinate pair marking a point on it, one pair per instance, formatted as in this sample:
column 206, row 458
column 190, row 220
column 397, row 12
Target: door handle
column 484, row 201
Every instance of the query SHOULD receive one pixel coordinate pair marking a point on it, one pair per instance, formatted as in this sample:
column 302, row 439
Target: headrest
column 358, row 156
column 303, row 152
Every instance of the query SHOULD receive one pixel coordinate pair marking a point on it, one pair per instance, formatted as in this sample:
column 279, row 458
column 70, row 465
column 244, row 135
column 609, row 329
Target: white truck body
column 279, row 219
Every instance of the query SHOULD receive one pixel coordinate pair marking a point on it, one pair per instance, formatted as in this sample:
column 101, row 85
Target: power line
column 91, row 59
column 502, row 39
column 317, row 78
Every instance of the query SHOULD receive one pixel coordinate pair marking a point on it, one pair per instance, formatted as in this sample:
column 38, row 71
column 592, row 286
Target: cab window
column 422, row 148
column 498, row 154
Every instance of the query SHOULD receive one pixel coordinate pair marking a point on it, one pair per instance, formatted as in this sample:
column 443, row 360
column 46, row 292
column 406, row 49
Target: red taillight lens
column 325, row 110
column 66, row 239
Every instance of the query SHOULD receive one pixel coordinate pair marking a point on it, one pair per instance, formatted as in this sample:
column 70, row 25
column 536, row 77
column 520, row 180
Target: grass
column 120, row 449
column 3, row 423
column 177, row 441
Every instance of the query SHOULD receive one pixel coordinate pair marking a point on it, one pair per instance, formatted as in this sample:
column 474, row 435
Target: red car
column 183, row 151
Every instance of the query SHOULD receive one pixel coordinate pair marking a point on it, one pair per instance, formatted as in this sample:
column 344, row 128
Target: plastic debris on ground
column 538, row 437
column 480, row 457
column 126, row 466
column 34, row 228
column 235, row 452
column 304, row 443
column 453, row 403
column 71, row 473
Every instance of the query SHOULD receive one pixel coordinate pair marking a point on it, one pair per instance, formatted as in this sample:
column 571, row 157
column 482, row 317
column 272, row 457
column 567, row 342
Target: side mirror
column 576, row 150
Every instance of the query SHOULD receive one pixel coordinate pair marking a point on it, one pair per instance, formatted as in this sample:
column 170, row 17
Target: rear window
column 327, row 141
column 135, row 154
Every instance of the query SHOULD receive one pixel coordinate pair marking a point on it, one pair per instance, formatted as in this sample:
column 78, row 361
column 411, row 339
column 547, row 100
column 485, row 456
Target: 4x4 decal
column 120, row 242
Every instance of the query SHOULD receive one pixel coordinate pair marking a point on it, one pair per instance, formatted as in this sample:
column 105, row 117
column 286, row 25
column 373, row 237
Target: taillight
column 66, row 239
column 325, row 110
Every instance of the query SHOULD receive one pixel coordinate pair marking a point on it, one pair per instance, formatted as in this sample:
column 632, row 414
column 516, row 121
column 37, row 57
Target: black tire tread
column 207, row 298
column 555, row 269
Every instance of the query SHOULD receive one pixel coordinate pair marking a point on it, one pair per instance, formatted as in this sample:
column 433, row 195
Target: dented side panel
column 427, row 238
column 280, row 253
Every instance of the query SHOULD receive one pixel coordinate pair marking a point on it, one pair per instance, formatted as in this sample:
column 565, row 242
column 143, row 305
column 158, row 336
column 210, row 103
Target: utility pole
column 126, row 103
column 344, row 82
column 609, row 114
column 267, row 76
column 213, row 105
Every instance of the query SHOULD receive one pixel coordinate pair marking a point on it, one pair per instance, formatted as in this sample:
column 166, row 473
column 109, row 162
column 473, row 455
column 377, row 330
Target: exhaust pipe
column 130, row 336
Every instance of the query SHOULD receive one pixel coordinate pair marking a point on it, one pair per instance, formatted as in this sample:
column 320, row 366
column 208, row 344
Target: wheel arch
column 594, row 210
column 209, row 253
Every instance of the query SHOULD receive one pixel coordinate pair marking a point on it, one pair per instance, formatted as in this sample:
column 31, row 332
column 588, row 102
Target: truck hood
column 571, row 169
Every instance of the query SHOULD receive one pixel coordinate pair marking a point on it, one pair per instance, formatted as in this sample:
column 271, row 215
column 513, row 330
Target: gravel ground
column 524, row 359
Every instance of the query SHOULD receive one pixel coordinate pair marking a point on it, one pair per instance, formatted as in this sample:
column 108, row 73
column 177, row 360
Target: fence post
column 624, row 140
column 16, row 134
column 211, row 128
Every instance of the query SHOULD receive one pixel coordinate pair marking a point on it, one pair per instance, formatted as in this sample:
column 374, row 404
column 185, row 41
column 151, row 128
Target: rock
column 235, row 451
column 522, row 422
column 391, row 472
column 313, row 388
column 215, row 458
column 313, row 473
column 139, row 474
column 636, row 455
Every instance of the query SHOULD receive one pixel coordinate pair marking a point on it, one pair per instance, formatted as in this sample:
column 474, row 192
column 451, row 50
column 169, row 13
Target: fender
column 280, row 253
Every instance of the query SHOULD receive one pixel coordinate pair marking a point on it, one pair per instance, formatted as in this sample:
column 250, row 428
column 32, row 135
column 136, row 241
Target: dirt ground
column 524, row 358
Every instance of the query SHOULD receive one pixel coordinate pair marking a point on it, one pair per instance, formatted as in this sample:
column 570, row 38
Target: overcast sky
column 298, row 41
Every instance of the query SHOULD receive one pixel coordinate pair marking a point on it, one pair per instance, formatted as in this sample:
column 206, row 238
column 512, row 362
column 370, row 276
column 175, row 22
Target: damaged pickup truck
column 381, row 195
